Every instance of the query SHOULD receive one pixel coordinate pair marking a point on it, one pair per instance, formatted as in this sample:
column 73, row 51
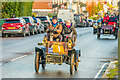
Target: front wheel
column 98, row 36
column 72, row 64
column 116, row 36
column 43, row 65
column 37, row 58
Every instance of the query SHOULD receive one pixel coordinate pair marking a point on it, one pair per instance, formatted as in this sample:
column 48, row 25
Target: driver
column 70, row 29
column 106, row 18
column 57, row 28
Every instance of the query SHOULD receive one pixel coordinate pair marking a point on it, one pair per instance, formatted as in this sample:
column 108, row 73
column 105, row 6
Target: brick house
column 42, row 8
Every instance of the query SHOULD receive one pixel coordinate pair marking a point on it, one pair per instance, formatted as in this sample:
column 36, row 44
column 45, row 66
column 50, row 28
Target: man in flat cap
column 57, row 28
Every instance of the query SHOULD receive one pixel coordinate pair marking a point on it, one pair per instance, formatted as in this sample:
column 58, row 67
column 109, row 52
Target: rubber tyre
column 28, row 33
column 23, row 34
column 33, row 32
column 43, row 65
column 116, row 36
column 37, row 58
column 72, row 64
column 98, row 36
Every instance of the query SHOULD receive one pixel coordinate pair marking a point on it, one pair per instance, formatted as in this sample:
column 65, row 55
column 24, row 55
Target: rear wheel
column 37, row 58
column 116, row 36
column 23, row 34
column 28, row 33
column 33, row 32
column 116, row 32
column 76, row 66
column 98, row 36
column 72, row 64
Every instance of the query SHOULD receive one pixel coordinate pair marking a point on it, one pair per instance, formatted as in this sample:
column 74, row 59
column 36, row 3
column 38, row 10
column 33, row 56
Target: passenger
column 56, row 27
column 70, row 29
column 112, row 19
column 106, row 18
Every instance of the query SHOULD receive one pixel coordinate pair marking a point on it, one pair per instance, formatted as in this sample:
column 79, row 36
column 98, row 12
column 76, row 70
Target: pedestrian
column 13, row 16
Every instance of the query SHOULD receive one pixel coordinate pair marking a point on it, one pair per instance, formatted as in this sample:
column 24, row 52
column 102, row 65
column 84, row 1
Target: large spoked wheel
column 72, row 64
column 116, row 36
column 116, row 33
column 98, row 36
column 76, row 66
column 37, row 58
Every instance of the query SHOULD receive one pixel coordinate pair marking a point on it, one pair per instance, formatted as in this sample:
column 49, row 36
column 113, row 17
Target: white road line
column 33, row 52
column 100, row 70
column 18, row 58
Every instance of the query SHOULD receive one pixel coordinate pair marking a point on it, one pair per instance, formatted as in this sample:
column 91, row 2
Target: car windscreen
column 90, row 20
column 59, row 20
column 42, row 18
column 27, row 20
column 12, row 21
column 76, row 17
column 99, row 20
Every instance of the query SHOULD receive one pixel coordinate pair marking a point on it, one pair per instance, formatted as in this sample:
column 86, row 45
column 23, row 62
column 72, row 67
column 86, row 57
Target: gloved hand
column 54, row 30
column 50, row 29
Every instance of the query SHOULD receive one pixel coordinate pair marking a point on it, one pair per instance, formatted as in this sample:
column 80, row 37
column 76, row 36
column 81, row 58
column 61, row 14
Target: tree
column 18, row 8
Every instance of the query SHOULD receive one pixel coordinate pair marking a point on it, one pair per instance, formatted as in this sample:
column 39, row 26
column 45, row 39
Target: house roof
column 42, row 5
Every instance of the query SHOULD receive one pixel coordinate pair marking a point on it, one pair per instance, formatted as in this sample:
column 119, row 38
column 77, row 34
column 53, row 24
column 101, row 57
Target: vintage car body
column 109, row 29
column 56, row 53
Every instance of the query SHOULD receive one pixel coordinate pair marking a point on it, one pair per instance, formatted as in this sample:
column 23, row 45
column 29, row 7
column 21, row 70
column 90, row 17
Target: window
column 12, row 21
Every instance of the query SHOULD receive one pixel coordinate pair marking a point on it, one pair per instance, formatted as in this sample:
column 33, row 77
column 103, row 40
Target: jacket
column 58, row 27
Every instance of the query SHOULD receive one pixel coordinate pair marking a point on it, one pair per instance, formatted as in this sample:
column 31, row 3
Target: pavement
column 18, row 56
column 110, row 67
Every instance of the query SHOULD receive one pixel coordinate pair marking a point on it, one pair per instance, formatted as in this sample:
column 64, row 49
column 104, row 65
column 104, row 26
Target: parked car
column 32, row 24
column 78, row 20
column 95, row 27
column 90, row 22
column 99, row 21
column 13, row 26
column 61, row 21
column 45, row 20
column 86, row 24
column 41, row 28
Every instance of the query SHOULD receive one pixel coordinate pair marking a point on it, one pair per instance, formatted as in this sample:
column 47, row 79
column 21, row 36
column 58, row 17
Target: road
column 18, row 56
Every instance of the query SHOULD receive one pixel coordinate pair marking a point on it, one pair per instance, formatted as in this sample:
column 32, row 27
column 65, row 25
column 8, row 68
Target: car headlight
column 44, row 41
column 3, row 28
column 114, row 25
column 69, row 43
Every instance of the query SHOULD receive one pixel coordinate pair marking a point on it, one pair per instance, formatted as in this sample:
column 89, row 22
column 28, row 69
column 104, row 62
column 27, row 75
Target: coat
column 58, row 27
column 67, row 30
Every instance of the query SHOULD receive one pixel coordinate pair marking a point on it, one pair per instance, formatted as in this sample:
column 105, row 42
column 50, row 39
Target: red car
column 13, row 26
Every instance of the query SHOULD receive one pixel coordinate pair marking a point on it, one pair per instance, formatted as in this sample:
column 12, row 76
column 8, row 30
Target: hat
column 54, row 17
column 13, row 13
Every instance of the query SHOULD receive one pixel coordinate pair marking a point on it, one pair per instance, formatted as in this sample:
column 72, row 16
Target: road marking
column 19, row 58
column 100, row 70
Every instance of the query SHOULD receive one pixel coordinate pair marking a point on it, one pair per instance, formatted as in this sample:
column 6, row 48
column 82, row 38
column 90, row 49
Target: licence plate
column 11, row 27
